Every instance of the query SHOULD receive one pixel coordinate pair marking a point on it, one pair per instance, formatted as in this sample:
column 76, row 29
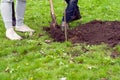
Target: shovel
column 54, row 22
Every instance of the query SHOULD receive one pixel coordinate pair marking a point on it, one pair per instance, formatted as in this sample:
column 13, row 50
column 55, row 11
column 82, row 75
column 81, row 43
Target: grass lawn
column 34, row 59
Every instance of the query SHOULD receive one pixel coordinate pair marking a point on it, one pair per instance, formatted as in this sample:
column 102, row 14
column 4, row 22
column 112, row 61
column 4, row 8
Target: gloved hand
column 64, row 24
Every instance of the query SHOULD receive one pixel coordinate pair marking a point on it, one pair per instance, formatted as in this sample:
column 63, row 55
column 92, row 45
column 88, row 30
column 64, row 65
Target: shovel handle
column 51, row 6
column 52, row 12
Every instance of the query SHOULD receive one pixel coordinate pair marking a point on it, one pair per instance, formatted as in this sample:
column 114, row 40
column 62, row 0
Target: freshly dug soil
column 94, row 32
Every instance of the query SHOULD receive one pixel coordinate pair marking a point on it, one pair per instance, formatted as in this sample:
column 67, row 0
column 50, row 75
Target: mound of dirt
column 94, row 32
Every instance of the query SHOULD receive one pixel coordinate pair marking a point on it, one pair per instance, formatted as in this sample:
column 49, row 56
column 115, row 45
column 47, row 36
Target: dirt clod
column 94, row 32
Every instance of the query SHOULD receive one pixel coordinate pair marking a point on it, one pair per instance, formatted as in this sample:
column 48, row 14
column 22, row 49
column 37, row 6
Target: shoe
column 63, row 26
column 24, row 28
column 12, row 35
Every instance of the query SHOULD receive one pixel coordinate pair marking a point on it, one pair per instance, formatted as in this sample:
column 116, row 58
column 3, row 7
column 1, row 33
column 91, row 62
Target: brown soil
column 94, row 32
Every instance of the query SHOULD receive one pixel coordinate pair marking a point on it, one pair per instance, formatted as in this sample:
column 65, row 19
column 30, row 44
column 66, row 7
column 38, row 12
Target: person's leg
column 72, row 11
column 20, row 11
column 6, row 12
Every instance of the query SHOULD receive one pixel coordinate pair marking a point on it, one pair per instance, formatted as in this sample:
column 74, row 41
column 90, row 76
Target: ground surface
column 34, row 58
column 94, row 32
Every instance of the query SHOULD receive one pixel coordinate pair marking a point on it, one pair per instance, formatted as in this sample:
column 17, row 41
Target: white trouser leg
column 20, row 10
column 6, row 12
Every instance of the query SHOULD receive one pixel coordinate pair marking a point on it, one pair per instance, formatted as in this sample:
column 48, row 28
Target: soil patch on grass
column 94, row 32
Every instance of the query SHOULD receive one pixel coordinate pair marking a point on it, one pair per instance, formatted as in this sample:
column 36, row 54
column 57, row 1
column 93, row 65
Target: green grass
column 33, row 59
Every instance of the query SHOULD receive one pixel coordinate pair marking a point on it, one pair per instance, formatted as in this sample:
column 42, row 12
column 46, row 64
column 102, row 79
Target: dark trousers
column 72, row 11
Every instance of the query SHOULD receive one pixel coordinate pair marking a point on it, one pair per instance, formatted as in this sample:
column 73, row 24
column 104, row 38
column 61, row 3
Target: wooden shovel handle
column 52, row 12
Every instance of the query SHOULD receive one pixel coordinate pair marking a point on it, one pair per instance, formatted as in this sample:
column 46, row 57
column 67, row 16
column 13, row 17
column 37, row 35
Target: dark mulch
column 94, row 32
